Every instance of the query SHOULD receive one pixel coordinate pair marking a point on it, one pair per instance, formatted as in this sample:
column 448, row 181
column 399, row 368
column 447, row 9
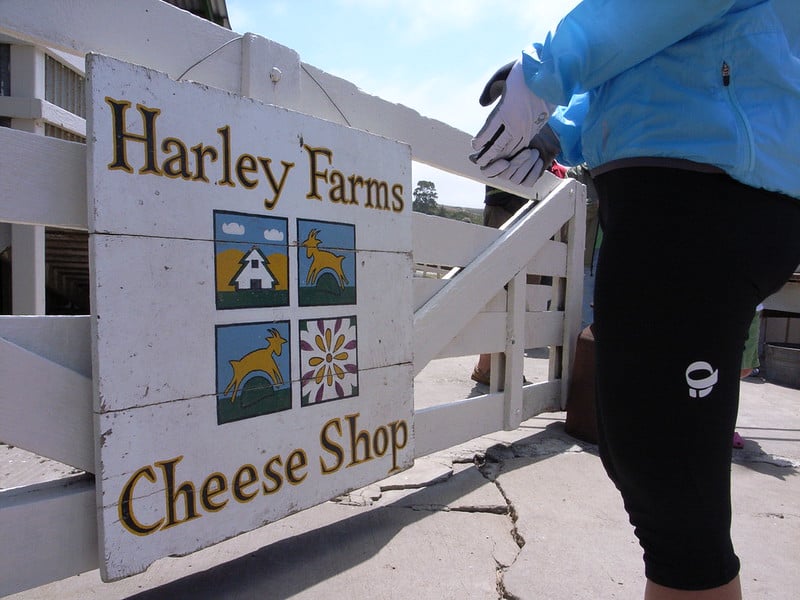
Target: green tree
column 425, row 197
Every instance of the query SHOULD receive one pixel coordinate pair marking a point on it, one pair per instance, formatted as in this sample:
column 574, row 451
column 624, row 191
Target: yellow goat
column 322, row 259
column 262, row 359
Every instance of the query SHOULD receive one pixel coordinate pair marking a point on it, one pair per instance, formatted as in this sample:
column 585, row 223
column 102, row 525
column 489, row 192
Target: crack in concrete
column 488, row 510
column 490, row 466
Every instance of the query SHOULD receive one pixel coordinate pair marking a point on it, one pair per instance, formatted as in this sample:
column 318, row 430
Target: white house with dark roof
column 254, row 273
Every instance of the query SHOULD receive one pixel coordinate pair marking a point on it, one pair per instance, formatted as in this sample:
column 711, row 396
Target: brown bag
column 581, row 416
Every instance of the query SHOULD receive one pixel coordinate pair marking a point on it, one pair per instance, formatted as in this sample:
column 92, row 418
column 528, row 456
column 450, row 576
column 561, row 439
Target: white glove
column 529, row 163
column 515, row 120
column 524, row 168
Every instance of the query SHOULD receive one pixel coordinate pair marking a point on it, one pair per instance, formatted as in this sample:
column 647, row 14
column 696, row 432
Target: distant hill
column 459, row 213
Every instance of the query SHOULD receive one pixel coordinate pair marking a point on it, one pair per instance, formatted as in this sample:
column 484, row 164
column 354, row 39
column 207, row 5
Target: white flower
column 328, row 359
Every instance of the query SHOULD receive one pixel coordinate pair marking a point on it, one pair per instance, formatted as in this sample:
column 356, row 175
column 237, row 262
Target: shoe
column 483, row 377
column 480, row 376
column 738, row 442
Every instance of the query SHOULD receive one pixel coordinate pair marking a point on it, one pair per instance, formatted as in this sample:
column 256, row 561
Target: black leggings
column 686, row 258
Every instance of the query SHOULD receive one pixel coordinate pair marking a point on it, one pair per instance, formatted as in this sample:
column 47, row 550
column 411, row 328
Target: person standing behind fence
column 688, row 116
column 499, row 206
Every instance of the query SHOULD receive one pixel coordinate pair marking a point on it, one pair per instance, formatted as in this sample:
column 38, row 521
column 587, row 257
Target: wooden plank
column 514, row 352
column 573, row 305
column 49, row 532
column 444, row 315
column 485, row 333
column 447, row 425
column 45, row 408
column 441, row 241
column 544, row 329
column 242, row 67
column 541, row 398
column 86, row 26
column 222, row 353
column 425, row 288
column 432, row 142
column 550, row 260
column 61, row 339
column 36, row 108
column 51, row 189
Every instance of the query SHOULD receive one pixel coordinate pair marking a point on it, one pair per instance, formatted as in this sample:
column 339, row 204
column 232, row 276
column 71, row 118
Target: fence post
column 515, row 351
column 27, row 241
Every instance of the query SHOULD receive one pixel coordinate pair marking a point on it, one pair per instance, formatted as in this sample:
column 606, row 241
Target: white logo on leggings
column 701, row 378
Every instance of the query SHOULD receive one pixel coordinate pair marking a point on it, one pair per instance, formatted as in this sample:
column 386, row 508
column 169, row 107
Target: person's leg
column 730, row 591
column 750, row 355
column 493, row 216
column 679, row 275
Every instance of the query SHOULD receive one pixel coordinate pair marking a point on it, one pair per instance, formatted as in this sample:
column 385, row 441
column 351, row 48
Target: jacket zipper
column 737, row 108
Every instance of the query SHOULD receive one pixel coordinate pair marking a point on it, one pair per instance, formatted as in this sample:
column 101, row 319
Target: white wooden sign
column 252, row 312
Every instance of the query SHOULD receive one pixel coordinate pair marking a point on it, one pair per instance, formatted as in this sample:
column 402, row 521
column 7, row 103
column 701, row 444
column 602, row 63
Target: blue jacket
column 712, row 81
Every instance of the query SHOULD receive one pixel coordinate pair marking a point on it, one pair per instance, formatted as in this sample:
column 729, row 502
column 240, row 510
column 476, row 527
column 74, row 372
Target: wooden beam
column 53, row 528
column 53, row 181
column 436, row 323
column 45, row 408
column 447, row 425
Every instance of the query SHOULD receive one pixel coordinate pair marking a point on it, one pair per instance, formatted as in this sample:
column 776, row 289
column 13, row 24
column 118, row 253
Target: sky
column 433, row 56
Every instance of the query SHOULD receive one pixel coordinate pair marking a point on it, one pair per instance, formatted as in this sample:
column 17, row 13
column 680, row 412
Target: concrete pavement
column 527, row 514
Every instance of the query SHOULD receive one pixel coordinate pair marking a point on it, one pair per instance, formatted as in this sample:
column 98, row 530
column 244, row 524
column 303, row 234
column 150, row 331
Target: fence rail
column 474, row 300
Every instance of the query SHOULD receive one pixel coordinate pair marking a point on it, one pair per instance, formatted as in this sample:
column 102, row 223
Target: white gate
column 470, row 293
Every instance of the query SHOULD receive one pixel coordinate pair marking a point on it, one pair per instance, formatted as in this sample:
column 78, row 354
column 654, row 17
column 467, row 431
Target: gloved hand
column 527, row 165
column 515, row 120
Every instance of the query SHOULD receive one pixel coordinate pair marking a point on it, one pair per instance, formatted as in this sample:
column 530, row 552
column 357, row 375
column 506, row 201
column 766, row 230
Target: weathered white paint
column 54, row 532
column 27, row 270
column 63, row 340
column 38, row 109
column 446, row 425
column 52, row 191
column 33, row 411
column 476, row 284
column 54, row 180
column 158, row 363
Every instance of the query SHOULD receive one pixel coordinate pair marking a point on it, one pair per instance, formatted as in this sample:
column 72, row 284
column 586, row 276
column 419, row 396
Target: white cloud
column 233, row 228
column 273, row 235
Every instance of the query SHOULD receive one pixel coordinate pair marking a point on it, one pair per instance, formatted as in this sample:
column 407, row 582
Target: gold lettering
column 362, row 437
column 380, row 447
column 395, row 427
column 171, row 492
column 296, row 460
column 225, row 134
column 378, row 190
column 356, row 181
column 245, row 476
column 178, row 164
column 208, row 493
column 313, row 193
column 332, row 447
column 125, row 508
column 272, row 475
column 246, row 163
column 337, row 192
column 200, row 153
column 120, row 135
column 397, row 193
column 276, row 186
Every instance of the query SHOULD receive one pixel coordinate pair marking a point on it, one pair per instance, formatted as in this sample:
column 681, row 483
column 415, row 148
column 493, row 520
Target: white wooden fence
column 480, row 305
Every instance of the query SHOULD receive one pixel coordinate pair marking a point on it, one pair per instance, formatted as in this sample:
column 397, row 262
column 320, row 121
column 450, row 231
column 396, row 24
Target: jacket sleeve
column 602, row 38
column 566, row 122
